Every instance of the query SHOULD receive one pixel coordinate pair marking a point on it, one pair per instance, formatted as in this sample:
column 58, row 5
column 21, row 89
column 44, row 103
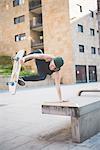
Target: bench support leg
column 75, row 129
column 85, row 126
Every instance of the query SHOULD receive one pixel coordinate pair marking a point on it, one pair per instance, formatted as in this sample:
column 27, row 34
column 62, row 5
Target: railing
column 87, row 91
column 36, row 22
column 37, row 43
column 34, row 4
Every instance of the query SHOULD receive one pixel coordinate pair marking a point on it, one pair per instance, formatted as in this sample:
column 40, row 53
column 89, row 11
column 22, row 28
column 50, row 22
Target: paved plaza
column 24, row 127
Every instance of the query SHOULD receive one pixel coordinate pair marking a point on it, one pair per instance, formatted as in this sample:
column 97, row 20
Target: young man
column 46, row 65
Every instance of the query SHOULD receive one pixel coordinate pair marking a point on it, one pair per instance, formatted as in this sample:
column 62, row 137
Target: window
column 92, row 32
column 91, row 13
column 98, row 6
column 81, row 48
column 80, row 7
column 17, row 2
column 99, row 51
column 81, row 74
column 93, row 50
column 20, row 37
column 80, row 28
column 34, row 4
column 92, row 73
column 19, row 19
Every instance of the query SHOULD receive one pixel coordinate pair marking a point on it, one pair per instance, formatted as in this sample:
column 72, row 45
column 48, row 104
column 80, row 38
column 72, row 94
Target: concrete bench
column 84, row 112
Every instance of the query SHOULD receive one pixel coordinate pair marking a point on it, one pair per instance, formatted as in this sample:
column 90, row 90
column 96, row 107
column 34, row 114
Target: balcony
column 35, row 6
column 36, row 24
column 37, row 44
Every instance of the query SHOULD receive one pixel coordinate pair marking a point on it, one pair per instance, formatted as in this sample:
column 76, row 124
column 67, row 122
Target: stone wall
column 47, row 82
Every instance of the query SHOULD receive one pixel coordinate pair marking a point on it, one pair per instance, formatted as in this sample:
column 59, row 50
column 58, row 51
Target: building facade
column 14, row 26
column 85, row 38
column 59, row 27
column 32, row 24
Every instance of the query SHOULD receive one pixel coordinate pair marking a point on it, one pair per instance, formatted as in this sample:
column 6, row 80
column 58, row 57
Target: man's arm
column 57, row 83
column 37, row 56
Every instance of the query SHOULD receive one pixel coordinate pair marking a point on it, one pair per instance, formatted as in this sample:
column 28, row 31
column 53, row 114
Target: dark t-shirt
column 43, row 67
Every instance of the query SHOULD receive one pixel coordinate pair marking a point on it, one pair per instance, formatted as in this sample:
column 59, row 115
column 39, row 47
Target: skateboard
column 12, row 84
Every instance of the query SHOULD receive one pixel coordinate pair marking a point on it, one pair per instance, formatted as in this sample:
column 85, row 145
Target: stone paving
column 24, row 127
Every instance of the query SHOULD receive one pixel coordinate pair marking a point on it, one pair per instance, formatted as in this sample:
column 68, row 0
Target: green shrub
column 6, row 65
column 26, row 73
column 5, row 60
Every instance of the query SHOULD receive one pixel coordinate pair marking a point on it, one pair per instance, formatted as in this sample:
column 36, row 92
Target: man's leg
column 39, row 51
column 34, row 77
column 37, row 77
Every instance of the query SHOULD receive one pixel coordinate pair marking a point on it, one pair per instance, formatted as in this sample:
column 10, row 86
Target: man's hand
column 22, row 61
